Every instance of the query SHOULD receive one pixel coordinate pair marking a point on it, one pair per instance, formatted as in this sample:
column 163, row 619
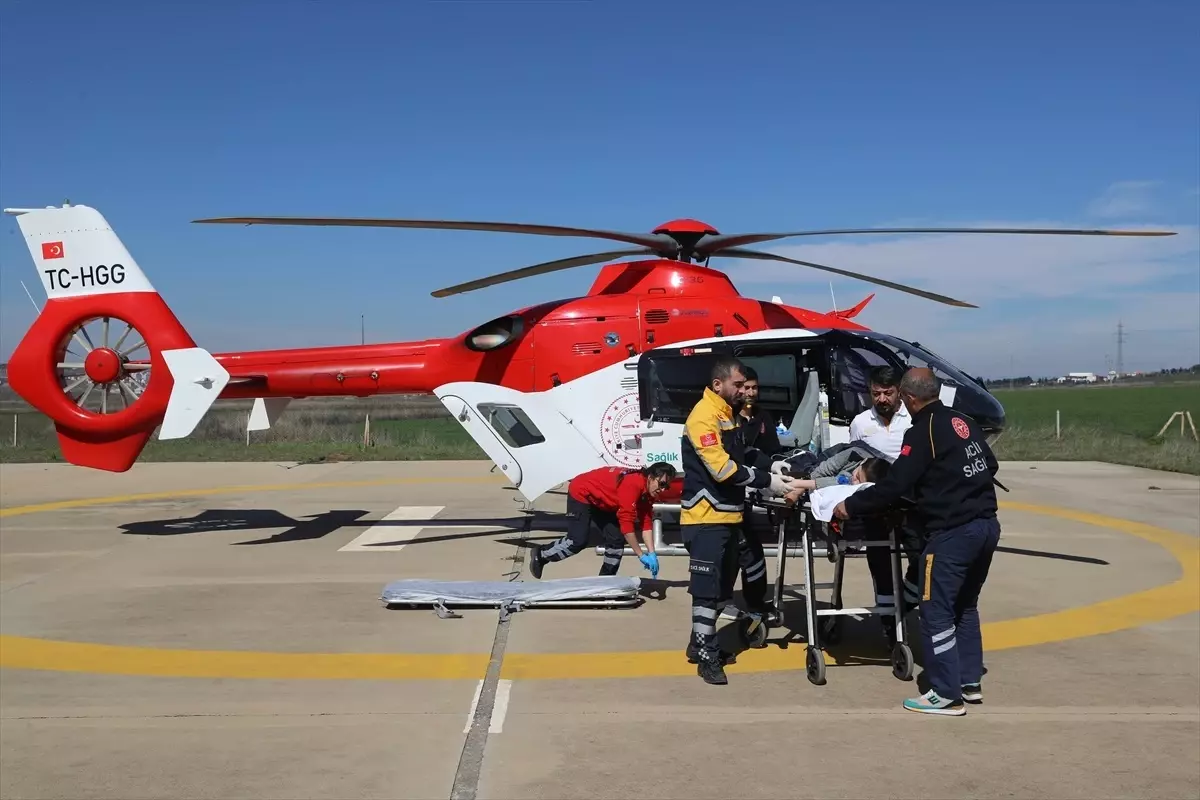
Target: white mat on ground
column 424, row 591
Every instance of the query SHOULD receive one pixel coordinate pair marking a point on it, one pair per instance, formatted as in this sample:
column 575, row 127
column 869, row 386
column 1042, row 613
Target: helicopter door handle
column 634, row 431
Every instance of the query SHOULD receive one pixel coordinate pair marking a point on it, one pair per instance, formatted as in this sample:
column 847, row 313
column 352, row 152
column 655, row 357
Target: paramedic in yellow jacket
column 716, row 472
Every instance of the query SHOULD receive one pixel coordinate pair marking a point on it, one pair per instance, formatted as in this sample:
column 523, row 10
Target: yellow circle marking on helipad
column 1107, row 616
column 87, row 502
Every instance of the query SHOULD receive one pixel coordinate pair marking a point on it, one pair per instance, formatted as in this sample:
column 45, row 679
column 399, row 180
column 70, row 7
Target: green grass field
column 1112, row 423
column 1116, row 424
column 1134, row 410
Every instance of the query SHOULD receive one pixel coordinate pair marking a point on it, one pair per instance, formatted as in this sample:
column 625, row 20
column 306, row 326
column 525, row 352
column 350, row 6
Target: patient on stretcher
column 850, row 466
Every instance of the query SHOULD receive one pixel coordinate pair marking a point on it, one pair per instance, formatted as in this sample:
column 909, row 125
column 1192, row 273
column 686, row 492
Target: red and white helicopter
column 546, row 391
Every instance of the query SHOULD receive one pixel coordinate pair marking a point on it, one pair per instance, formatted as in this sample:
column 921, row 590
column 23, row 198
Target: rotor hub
column 102, row 365
column 693, row 226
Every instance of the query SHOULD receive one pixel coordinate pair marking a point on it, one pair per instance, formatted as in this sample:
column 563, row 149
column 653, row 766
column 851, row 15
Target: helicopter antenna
column 832, row 298
column 27, row 294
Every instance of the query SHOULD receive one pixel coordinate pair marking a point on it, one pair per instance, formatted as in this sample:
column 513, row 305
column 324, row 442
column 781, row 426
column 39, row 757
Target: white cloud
column 1126, row 199
column 1048, row 304
column 975, row 267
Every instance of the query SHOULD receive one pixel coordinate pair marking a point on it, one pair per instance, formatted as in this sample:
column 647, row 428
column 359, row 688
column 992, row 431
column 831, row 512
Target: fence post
column 1057, row 424
column 14, row 430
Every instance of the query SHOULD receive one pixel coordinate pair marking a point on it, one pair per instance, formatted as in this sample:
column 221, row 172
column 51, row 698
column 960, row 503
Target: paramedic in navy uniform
column 947, row 467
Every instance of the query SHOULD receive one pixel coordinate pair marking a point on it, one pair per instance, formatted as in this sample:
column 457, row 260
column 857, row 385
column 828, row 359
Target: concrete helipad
column 214, row 630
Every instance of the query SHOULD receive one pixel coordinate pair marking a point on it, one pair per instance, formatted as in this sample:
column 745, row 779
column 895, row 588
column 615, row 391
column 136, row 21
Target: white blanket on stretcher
column 824, row 501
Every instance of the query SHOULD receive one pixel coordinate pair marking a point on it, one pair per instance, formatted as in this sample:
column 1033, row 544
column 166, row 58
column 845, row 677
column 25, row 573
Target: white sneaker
column 932, row 703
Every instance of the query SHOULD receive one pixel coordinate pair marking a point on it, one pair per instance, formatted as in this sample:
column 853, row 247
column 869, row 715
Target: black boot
column 712, row 672
column 693, row 655
column 535, row 562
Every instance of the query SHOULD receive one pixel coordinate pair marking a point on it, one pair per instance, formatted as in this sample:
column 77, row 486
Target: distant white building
column 1078, row 377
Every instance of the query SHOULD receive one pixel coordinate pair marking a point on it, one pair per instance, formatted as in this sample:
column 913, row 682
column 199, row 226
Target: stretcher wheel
column 756, row 638
column 902, row 662
column 814, row 665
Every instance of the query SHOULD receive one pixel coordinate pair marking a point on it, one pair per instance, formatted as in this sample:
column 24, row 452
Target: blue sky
column 607, row 114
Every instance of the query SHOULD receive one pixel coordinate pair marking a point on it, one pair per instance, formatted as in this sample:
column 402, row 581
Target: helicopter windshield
column 970, row 396
column 914, row 355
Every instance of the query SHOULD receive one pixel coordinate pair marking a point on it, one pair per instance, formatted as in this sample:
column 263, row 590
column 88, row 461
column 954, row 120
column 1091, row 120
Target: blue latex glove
column 650, row 562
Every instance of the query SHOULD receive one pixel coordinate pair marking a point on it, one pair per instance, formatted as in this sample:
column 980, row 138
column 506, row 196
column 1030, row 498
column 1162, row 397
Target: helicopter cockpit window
column 512, row 424
column 958, row 389
column 850, row 367
column 914, row 355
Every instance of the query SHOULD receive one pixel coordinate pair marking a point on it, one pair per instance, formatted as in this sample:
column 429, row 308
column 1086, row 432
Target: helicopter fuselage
column 631, row 307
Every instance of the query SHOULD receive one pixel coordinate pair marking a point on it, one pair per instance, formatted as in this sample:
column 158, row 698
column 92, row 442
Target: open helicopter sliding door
column 532, row 442
column 850, row 359
column 671, row 380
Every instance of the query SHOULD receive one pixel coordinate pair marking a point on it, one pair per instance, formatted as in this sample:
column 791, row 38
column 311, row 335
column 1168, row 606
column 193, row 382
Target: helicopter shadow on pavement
column 317, row 526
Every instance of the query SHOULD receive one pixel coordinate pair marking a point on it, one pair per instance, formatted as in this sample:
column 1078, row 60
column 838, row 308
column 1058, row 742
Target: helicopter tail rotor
column 81, row 362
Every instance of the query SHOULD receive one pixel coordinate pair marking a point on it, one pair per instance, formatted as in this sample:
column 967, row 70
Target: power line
column 1120, row 348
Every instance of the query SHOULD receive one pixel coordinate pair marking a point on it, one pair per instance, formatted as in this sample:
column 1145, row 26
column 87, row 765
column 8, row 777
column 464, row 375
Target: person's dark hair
column 875, row 469
column 749, row 372
column 884, row 375
column 659, row 469
column 723, row 367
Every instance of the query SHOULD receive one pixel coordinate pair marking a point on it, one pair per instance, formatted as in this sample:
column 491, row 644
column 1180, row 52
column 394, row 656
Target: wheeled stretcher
column 816, row 540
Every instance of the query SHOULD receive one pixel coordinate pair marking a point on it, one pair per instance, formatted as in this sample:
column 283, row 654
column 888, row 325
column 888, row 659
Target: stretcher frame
column 444, row 603
column 754, row 632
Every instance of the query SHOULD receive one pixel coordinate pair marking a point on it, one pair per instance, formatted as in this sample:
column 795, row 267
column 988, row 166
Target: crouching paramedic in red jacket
column 616, row 502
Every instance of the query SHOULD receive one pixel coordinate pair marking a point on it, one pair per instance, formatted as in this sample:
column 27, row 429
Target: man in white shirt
column 883, row 424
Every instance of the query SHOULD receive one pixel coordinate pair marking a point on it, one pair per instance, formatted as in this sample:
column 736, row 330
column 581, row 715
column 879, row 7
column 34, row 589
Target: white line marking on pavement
column 474, row 705
column 499, row 708
column 381, row 532
column 384, row 538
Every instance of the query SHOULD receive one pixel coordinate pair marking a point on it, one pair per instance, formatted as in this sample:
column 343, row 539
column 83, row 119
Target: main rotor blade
column 539, row 269
column 941, row 298
column 712, row 244
column 660, row 242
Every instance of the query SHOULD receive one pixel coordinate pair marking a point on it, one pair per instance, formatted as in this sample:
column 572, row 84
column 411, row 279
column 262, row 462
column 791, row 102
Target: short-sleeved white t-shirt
column 868, row 427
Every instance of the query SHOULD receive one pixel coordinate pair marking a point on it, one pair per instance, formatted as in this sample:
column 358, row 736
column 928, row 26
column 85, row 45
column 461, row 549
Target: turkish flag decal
column 52, row 250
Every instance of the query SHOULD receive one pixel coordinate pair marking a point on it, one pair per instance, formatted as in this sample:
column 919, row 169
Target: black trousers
column 879, row 559
column 753, row 564
column 713, row 551
column 582, row 520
